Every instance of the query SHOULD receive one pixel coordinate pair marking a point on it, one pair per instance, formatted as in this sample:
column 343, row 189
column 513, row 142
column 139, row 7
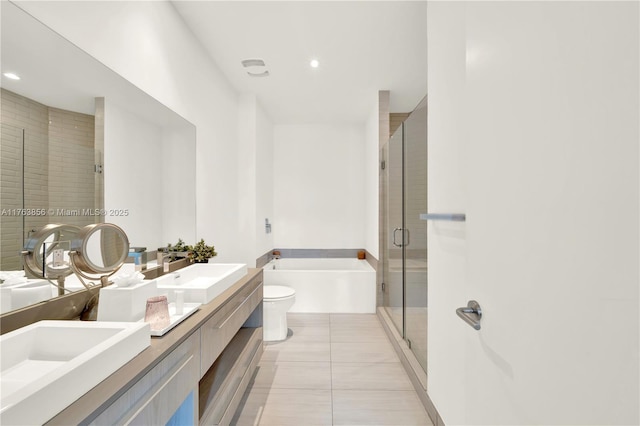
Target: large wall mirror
column 80, row 144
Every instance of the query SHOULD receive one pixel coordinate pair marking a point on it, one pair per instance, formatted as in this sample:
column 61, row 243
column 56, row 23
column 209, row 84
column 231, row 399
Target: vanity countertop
column 105, row 393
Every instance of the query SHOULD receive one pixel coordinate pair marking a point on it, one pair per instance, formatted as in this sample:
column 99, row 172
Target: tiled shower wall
column 58, row 153
column 71, row 162
column 10, row 192
column 20, row 113
column 416, row 183
column 395, row 120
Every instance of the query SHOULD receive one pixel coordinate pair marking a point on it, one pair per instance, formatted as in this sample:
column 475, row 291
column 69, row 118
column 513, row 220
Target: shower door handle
column 394, row 237
column 405, row 241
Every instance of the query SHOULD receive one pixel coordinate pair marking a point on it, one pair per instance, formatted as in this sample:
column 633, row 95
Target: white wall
column 148, row 159
column 533, row 133
column 319, row 189
column 246, row 170
column 255, row 178
column 149, row 45
column 134, row 147
column 264, row 182
column 177, row 177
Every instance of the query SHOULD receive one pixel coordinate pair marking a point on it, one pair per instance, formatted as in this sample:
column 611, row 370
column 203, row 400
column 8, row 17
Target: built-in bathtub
column 326, row 285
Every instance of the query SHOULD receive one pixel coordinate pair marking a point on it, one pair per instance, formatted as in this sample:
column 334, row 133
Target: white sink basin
column 201, row 282
column 46, row 366
column 25, row 294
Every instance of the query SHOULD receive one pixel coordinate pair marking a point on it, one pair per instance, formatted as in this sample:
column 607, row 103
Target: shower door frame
column 412, row 326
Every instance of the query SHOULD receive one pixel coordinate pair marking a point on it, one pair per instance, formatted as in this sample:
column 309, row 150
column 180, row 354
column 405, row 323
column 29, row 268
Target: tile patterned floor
column 334, row 369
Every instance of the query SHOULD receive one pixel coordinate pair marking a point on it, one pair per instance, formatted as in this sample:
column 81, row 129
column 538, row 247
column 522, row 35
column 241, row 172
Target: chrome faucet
column 165, row 260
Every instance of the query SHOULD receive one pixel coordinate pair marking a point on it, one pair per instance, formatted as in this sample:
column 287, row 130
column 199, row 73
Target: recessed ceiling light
column 12, row 76
column 314, row 63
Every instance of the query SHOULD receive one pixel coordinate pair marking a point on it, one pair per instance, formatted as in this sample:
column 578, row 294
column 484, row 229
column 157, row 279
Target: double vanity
column 86, row 372
column 81, row 372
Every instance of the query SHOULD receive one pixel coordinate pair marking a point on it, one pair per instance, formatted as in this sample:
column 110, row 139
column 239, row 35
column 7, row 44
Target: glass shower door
column 415, row 244
column 393, row 271
column 405, row 233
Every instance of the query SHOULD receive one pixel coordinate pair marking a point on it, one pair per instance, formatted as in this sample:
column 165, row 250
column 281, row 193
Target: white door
column 533, row 133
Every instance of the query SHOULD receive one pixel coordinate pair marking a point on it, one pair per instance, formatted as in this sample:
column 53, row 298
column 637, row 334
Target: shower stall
column 48, row 172
column 404, row 196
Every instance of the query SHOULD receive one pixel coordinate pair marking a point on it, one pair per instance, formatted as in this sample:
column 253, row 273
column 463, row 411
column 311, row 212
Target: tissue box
column 139, row 259
column 125, row 303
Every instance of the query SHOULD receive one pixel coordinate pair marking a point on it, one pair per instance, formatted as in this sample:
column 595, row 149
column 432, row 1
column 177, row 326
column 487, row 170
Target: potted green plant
column 180, row 249
column 201, row 253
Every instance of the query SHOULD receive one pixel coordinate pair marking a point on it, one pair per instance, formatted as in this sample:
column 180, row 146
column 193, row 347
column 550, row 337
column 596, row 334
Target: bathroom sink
column 201, row 282
column 25, row 293
column 46, row 366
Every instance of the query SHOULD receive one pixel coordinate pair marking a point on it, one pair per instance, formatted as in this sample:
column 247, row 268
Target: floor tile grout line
column 331, row 361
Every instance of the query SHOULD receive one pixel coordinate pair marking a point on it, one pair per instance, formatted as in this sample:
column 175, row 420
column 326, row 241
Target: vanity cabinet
column 218, row 331
column 155, row 398
column 223, row 386
column 195, row 374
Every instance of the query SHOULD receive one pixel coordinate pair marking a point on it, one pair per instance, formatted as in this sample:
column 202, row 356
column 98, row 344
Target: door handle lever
column 471, row 314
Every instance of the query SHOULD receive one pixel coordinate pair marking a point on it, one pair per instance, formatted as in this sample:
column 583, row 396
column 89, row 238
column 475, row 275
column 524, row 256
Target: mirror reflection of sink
column 201, row 282
column 46, row 366
column 72, row 283
column 24, row 294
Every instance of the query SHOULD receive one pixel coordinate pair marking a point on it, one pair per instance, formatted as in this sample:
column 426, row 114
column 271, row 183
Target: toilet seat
column 277, row 292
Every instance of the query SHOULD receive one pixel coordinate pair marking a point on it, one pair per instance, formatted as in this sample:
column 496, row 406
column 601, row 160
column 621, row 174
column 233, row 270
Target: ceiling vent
column 255, row 67
column 261, row 74
column 253, row 63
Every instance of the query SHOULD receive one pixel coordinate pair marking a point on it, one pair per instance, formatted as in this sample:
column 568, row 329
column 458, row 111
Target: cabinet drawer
column 218, row 331
column 155, row 397
column 242, row 387
column 223, row 387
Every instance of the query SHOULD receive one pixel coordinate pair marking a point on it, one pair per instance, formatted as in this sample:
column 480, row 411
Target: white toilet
column 277, row 300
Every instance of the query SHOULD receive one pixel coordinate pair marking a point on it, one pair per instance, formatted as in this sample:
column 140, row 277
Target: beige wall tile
column 58, row 155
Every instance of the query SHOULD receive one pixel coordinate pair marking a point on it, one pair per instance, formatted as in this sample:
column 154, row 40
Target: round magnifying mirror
column 101, row 248
column 46, row 252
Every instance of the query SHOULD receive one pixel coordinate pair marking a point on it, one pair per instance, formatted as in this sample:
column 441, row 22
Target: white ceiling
column 362, row 46
column 58, row 74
